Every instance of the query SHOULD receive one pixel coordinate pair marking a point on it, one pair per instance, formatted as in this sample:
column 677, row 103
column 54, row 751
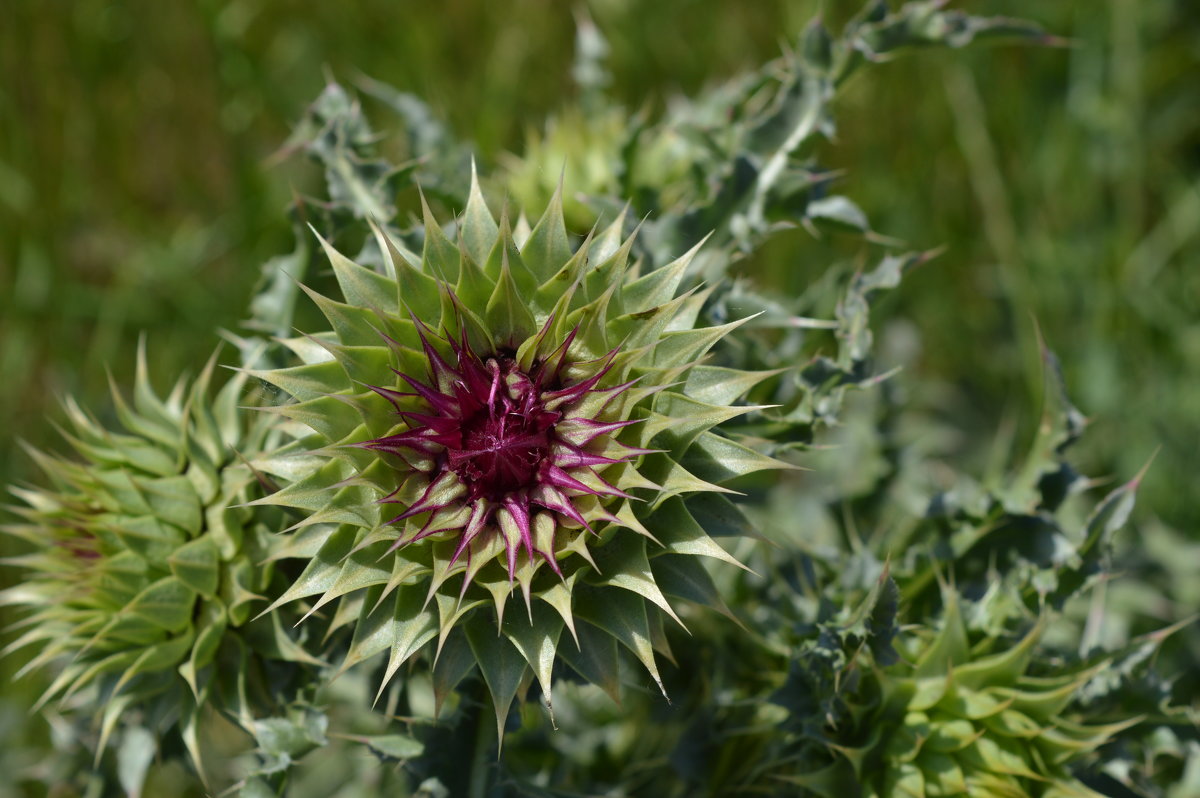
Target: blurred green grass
column 1066, row 186
column 136, row 195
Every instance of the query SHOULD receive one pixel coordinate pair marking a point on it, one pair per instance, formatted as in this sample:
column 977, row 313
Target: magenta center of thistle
column 485, row 438
column 504, row 442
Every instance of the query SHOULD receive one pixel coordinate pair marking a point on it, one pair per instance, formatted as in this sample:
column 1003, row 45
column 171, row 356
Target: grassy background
column 136, row 194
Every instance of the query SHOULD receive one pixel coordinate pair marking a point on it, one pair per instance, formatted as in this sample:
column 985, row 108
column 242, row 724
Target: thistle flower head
column 142, row 560
column 509, row 413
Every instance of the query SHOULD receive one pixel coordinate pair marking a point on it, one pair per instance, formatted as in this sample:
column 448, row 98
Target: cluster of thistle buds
column 499, row 458
column 508, row 459
column 502, row 415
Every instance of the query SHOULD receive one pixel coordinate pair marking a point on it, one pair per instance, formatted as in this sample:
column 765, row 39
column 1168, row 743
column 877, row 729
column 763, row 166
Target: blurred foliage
column 136, row 190
column 1064, row 183
column 139, row 192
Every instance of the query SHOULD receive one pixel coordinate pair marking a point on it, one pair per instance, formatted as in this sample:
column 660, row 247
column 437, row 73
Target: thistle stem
column 477, row 785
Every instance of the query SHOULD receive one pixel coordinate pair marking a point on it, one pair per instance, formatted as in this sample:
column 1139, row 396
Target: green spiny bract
column 510, row 414
column 955, row 719
column 145, row 561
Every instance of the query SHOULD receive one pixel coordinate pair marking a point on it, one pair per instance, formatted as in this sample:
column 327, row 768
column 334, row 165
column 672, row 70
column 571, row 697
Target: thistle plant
column 146, row 564
column 509, row 414
column 525, row 462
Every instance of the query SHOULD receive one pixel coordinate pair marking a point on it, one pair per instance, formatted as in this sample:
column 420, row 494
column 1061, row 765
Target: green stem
column 477, row 786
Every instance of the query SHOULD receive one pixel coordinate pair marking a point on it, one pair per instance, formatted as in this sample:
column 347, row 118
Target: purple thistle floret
column 499, row 445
